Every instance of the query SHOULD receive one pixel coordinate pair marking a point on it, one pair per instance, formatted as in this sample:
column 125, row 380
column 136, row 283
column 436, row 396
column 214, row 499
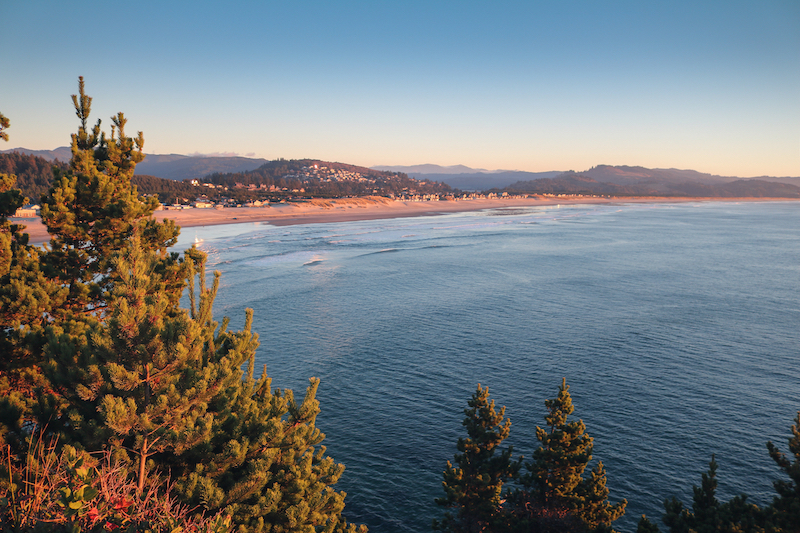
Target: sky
column 712, row 86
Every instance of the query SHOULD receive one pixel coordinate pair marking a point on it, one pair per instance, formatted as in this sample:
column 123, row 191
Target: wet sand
column 350, row 209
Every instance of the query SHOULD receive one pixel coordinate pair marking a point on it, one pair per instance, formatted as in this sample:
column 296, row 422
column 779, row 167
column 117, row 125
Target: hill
column 619, row 181
column 62, row 153
column 481, row 181
column 168, row 166
column 631, row 180
column 432, row 169
column 325, row 179
column 625, row 175
column 466, row 178
column 181, row 167
column 249, row 179
column 273, row 180
column 34, row 173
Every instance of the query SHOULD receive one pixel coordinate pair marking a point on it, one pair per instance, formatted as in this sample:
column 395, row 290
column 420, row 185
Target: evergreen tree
column 474, row 485
column 122, row 367
column 555, row 493
column 10, row 200
column 140, row 380
column 708, row 515
column 25, row 297
column 705, row 507
column 646, row 526
column 92, row 211
column 4, row 124
column 784, row 514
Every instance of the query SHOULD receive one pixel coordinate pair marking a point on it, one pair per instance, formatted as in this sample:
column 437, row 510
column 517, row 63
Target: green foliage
column 34, row 174
column 4, row 124
column 93, row 210
column 784, row 514
column 555, row 492
column 553, row 496
column 474, row 485
column 646, row 526
column 24, row 299
column 738, row 515
column 105, row 359
column 708, row 515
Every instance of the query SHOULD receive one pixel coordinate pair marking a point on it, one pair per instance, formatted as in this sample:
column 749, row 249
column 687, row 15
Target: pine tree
column 555, row 494
column 10, row 200
column 708, row 514
column 124, row 368
column 264, row 463
column 473, row 487
column 704, row 517
column 25, row 298
column 141, row 379
column 93, row 210
column 4, row 124
column 646, row 526
column 784, row 513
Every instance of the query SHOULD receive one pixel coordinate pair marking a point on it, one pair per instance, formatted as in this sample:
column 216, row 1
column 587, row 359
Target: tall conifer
column 556, row 494
column 161, row 387
column 26, row 297
column 709, row 515
column 473, row 486
column 785, row 509
column 93, row 210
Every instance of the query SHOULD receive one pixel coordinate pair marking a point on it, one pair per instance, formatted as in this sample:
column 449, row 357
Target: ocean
column 676, row 326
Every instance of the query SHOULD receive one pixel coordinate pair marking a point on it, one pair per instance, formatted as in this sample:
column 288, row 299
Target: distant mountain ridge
column 616, row 181
column 181, row 167
column 623, row 174
column 63, row 153
column 429, row 168
column 629, row 180
column 601, row 179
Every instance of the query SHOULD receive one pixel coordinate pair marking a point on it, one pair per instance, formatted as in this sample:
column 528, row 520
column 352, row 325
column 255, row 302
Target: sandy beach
column 350, row 209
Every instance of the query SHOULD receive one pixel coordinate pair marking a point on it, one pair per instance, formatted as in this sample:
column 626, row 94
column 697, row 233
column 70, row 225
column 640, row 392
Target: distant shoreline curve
column 371, row 208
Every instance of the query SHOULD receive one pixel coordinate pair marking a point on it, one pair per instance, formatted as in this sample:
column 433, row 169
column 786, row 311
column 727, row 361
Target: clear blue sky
column 708, row 85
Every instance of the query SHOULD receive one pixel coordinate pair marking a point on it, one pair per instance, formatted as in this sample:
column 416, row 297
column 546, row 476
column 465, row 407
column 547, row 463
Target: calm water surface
column 677, row 327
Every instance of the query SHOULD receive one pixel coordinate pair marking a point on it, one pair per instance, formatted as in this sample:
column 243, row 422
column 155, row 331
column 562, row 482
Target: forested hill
column 35, row 177
column 170, row 166
column 34, row 173
column 316, row 178
column 181, row 167
column 274, row 180
column 585, row 183
column 286, row 179
column 607, row 179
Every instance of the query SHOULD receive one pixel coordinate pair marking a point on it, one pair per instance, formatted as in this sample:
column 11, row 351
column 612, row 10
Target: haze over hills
column 624, row 175
column 62, row 153
column 434, row 169
column 601, row 179
column 653, row 181
column 180, row 167
column 617, row 181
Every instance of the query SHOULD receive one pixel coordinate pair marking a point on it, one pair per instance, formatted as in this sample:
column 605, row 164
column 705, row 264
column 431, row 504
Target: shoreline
column 370, row 208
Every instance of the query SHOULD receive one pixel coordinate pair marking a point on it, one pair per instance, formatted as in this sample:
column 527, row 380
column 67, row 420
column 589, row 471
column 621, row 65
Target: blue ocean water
column 677, row 327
